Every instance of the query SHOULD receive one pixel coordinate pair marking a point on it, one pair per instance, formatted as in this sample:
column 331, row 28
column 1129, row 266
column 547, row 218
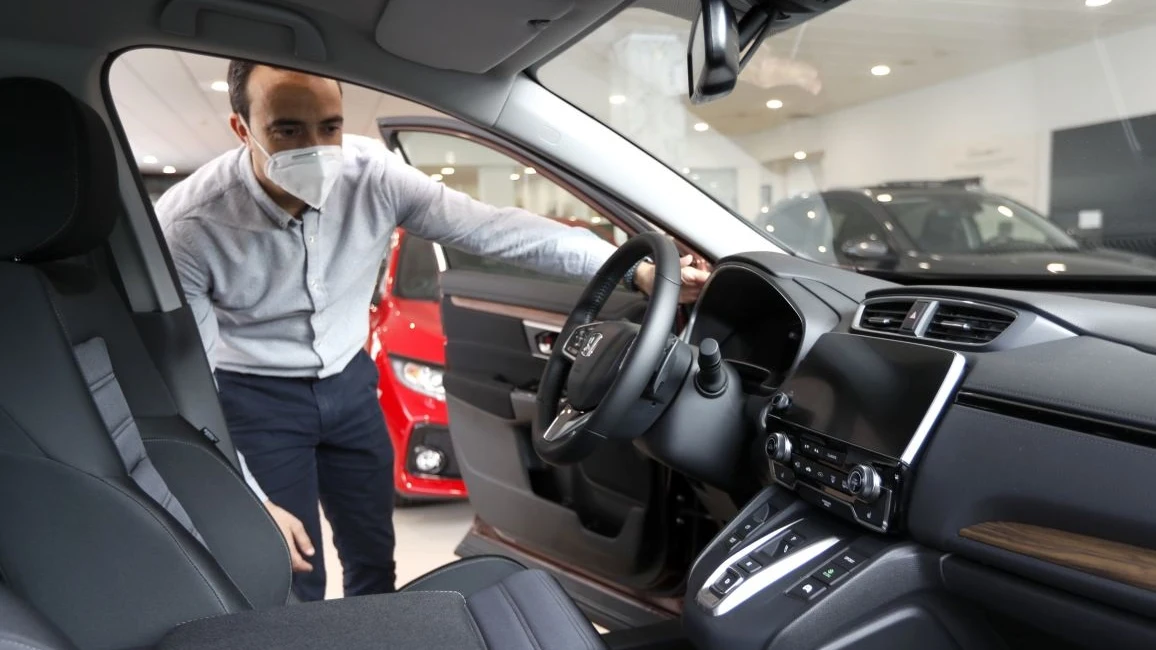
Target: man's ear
column 237, row 125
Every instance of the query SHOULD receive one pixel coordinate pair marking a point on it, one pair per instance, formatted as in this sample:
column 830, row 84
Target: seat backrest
column 118, row 519
column 22, row 628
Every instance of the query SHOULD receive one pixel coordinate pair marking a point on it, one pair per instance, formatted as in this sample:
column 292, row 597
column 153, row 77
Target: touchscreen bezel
column 952, row 379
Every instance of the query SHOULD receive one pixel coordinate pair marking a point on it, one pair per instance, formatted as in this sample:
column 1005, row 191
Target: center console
column 845, row 430
column 816, row 550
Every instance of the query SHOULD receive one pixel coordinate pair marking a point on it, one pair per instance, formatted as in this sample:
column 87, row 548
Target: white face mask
column 308, row 173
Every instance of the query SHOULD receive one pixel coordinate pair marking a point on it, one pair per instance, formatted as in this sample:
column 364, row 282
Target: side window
column 497, row 179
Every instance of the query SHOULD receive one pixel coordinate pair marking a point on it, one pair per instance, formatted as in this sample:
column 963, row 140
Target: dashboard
column 1009, row 435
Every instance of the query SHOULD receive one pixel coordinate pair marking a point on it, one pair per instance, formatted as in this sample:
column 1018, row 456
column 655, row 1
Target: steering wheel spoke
column 568, row 422
column 583, row 340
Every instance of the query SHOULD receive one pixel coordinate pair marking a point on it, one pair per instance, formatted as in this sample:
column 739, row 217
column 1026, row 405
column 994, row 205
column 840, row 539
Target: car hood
column 1071, row 263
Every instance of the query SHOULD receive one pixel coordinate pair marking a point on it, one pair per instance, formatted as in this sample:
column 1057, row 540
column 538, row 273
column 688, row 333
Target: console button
column 747, row 527
column 807, row 589
column 873, row 514
column 808, row 469
column 783, row 474
column 797, row 465
column 749, row 565
column 830, row 573
column 850, row 560
column 834, row 479
column 726, row 583
column 830, row 504
column 832, row 456
column 809, row 448
column 734, row 540
column 790, row 542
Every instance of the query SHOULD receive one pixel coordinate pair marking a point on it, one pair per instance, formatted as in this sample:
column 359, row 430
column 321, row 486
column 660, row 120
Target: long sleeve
column 431, row 210
column 196, row 284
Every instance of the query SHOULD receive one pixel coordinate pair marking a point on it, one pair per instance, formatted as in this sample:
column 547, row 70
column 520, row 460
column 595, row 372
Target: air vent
column 884, row 315
column 967, row 323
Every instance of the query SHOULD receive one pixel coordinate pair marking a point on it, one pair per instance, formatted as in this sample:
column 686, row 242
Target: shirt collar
column 276, row 213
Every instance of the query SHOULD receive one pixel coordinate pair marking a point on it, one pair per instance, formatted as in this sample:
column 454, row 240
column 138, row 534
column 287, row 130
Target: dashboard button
column 830, row 504
column 797, row 465
column 807, row 589
column 747, row 527
column 783, row 474
column 835, row 479
column 726, row 583
column 749, row 565
column 808, row 469
column 873, row 514
column 832, row 456
column 850, row 560
column 808, row 448
column 830, row 573
column 734, row 540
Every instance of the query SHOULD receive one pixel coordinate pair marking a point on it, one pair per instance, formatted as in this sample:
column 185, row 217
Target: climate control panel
column 842, row 479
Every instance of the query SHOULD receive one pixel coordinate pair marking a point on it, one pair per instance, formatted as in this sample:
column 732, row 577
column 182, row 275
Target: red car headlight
column 419, row 377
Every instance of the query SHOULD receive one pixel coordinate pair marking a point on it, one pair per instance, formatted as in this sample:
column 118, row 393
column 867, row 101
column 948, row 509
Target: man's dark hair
column 238, row 80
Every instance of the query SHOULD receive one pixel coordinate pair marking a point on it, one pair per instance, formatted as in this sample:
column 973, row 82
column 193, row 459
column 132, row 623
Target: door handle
column 545, row 342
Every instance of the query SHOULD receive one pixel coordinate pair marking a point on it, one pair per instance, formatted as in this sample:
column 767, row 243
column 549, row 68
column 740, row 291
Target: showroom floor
column 426, row 538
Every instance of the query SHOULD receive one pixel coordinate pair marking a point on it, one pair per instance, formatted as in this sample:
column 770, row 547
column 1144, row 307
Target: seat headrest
column 57, row 174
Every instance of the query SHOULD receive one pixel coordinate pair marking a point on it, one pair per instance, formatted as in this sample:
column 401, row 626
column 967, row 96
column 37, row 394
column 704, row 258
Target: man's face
column 290, row 110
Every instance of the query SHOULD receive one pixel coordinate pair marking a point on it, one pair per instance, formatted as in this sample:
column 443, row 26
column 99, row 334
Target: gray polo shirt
column 285, row 297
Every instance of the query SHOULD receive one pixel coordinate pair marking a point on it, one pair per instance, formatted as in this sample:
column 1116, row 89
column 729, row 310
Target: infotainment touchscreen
column 874, row 393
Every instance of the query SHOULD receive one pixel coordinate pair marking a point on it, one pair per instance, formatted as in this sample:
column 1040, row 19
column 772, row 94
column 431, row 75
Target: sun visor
column 464, row 35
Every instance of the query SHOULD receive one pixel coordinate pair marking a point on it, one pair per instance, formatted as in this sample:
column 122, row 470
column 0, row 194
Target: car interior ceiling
column 1030, row 524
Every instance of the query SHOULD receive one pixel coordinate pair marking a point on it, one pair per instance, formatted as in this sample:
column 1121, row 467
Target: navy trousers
column 310, row 440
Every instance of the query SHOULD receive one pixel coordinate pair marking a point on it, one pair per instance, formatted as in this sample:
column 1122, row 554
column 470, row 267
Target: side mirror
column 712, row 60
column 867, row 249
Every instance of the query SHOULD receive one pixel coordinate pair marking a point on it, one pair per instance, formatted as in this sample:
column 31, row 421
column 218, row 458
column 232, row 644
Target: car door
column 605, row 518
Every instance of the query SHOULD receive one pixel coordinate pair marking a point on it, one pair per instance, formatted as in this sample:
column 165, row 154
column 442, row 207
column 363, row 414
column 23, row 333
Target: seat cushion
column 466, row 576
column 529, row 610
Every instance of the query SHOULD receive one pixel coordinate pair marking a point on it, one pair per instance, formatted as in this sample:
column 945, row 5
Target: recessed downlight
column 881, row 70
column 701, row 126
column 169, row 169
column 775, row 104
column 617, row 99
column 1096, row 3
column 220, row 86
column 447, row 171
column 149, row 160
column 800, row 155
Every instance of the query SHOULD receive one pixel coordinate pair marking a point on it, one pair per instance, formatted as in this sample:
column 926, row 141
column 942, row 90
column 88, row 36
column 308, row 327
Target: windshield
column 1042, row 116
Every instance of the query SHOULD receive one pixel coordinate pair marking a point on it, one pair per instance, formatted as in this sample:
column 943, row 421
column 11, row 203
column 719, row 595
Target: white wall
column 997, row 124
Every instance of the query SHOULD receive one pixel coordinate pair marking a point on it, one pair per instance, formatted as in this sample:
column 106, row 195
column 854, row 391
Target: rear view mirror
column 712, row 60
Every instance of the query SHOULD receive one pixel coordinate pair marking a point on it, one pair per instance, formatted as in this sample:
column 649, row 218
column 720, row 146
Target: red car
column 408, row 346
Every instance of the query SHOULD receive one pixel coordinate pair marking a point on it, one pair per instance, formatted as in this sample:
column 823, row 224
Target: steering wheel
column 605, row 367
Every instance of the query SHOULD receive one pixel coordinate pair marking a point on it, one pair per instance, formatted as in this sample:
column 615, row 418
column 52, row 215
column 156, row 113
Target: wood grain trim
column 512, row 311
column 1125, row 563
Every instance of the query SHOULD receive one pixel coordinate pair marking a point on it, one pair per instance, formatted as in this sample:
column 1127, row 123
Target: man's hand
column 693, row 278
column 295, row 537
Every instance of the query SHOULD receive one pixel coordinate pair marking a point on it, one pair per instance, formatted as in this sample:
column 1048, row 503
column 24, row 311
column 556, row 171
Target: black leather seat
column 121, row 523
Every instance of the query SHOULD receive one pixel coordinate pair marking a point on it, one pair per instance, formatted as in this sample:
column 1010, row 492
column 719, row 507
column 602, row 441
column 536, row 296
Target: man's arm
column 431, row 210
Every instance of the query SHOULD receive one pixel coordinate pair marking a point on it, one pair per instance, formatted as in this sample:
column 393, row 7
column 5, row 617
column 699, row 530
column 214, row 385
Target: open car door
column 602, row 526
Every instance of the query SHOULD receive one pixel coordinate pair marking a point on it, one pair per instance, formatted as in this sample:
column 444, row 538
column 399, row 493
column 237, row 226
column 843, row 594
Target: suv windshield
column 919, row 135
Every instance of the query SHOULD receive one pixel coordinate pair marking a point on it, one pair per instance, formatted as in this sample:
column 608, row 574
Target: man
column 277, row 244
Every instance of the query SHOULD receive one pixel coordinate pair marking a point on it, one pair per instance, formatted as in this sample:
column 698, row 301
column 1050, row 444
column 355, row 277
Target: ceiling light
column 596, row 220
column 822, row 249
column 220, row 86
column 1005, row 211
column 1057, row 267
column 883, row 198
column 800, row 155
column 881, row 70
column 149, row 160
column 435, row 177
column 169, row 169
column 686, row 170
column 924, row 265
column 775, row 104
column 1096, row 3
column 529, row 171
column 515, row 177
column 617, row 99
column 694, row 177
column 811, row 214
column 770, row 228
column 447, row 171
column 701, row 126
column 764, row 209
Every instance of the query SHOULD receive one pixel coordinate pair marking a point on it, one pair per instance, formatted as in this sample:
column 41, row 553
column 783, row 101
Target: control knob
column 779, row 447
column 864, row 482
column 780, row 402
